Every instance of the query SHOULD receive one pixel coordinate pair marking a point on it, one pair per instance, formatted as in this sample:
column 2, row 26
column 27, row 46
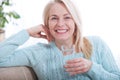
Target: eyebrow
column 63, row 15
column 67, row 14
column 53, row 15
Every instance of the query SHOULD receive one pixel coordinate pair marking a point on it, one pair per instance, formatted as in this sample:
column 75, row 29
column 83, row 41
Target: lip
column 61, row 30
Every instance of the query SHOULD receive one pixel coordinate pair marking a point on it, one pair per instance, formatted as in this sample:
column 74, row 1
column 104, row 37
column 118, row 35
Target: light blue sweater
column 47, row 60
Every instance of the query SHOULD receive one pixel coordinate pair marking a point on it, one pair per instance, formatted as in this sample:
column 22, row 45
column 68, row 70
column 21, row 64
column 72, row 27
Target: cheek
column 72, row 24
column 72, row 29
column 51, row 25
column 51, row 30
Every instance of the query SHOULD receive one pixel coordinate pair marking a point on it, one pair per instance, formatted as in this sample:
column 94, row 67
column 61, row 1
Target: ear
column 47, row 26
column 50, row 38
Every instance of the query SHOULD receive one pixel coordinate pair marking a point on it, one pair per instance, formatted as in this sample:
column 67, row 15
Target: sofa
column 17, row 73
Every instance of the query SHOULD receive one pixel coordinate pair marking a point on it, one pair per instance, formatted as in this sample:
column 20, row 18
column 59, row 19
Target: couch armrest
column 17, row 73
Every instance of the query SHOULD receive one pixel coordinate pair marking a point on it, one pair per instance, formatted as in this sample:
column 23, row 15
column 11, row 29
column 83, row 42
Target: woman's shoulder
column 93, row 38
column 98, row 45
column 96, row 41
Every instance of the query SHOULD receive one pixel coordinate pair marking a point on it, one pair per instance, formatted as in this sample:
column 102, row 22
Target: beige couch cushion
column 17, row 73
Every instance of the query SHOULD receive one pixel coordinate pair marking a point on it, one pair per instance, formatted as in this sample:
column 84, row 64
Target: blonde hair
column 81, row 43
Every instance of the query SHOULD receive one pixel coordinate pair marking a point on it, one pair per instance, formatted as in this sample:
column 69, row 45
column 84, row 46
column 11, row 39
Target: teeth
column 61, row 31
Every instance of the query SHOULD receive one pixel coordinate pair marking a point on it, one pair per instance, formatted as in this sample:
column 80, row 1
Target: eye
column 67, row 17
column 53, row 18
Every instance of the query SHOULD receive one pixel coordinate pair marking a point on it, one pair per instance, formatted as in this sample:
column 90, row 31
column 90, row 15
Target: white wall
column 100, row 17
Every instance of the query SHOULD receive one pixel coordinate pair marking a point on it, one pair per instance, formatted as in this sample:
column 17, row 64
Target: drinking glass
column 69, row 54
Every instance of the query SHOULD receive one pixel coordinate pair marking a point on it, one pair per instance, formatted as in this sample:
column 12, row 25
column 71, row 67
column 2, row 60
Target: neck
column 66, row 44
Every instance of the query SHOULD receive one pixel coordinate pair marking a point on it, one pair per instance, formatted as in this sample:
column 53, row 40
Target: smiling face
column 61, row 24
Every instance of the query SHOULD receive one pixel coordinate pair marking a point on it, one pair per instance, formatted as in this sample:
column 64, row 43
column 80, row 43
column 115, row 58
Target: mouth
column 61, row 30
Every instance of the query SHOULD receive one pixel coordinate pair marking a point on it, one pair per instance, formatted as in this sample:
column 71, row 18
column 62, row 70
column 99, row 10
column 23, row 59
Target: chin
column 62, row 39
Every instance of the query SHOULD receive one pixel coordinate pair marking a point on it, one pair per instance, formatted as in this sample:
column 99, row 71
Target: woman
column 92, row 59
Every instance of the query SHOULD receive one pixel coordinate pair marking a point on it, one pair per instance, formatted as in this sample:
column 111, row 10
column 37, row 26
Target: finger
column 71, row 65
column 75, row 60
column 75, row 69
column 43, row 33
column 74, row 73
column 43, row 36
column 76, row 66
column 39, row 36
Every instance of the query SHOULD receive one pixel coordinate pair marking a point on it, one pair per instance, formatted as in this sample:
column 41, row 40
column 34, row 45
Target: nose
column 60, row 23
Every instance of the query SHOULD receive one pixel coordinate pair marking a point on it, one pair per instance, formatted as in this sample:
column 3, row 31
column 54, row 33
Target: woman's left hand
column 78, row 66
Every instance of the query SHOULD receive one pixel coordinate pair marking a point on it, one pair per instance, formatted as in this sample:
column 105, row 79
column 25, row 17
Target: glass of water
column 69, row 54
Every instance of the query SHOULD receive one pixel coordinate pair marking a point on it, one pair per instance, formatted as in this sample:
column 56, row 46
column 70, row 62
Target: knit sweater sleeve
column 8, row 50
column 105, row 68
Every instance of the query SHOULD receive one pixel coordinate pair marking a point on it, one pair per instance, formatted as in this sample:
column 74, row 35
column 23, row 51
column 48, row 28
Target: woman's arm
column 9, row 55
column 107, row 69
column 9, row 46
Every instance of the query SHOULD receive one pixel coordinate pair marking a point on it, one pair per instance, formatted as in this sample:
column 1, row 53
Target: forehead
column 58, row 8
